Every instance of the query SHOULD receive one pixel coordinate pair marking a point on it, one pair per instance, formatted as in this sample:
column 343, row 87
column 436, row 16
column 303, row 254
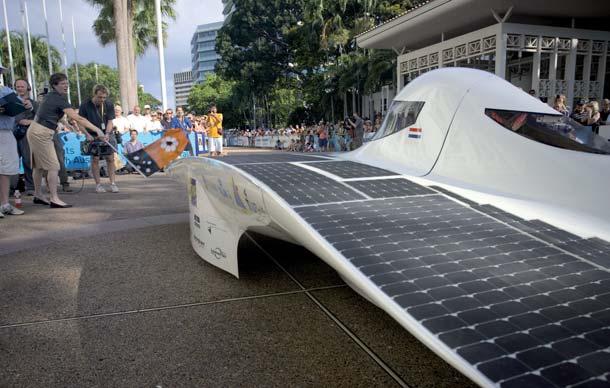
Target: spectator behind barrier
column 131, row 146
column 120, row 122
column 136, row 120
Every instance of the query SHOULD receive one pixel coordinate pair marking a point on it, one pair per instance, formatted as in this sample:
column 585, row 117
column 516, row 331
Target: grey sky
column 190, row 13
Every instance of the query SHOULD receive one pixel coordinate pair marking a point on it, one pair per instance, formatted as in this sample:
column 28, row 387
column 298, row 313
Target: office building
column 183, row 82
column 203, row 52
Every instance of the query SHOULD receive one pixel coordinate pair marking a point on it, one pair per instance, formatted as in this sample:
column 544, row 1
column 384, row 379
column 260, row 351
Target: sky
column 189, row 14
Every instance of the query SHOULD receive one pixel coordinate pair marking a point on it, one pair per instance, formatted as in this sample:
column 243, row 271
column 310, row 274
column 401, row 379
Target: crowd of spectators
column 324, row 136
column 587, row 113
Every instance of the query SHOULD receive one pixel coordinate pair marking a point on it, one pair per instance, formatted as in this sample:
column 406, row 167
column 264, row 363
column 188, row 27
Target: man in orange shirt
column 215, row 131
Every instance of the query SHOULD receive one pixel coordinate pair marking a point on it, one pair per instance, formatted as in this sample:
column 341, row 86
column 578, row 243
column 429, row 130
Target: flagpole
column 63, row 38
column 8, row 40
column 46, row 26
column 76, row 62
column 26, row 52
column 27, row 27
column 161, row 54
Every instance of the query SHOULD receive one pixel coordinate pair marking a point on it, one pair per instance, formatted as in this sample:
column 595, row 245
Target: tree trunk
column 122, row 50
column 133, row 81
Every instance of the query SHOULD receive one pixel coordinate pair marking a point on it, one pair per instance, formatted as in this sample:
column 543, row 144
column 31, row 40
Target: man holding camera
column 214, row 127
column 358, row 130
column 100, row 112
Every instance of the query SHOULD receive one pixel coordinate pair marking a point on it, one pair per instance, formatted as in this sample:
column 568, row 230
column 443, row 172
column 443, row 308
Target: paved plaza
column 110, row 293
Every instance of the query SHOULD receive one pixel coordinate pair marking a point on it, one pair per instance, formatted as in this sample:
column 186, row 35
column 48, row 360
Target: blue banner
column 75, row 160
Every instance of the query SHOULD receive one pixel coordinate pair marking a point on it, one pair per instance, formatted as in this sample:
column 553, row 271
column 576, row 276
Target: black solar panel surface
column 521, row 311
column 238, row 159
column 299, row 186
column 387, row 188
column 348, row 169
column 527, row 304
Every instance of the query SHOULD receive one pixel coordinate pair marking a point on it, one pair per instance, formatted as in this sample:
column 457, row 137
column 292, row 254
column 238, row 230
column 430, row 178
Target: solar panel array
column 525, row 303
column 238, row 159
column 387, row 188
column 348, row 169
column 299, row 186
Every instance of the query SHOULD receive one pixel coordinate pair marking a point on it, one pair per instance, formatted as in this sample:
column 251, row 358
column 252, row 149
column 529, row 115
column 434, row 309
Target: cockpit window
column 400, row 115
column 554, row 130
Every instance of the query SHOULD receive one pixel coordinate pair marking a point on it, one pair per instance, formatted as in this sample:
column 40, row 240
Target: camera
column 96, row 148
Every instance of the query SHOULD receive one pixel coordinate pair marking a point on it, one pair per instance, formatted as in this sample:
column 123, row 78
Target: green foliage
column 39, row 54
column 219, row 91
column 145, row 98
column 307, row 47
column 107, row 76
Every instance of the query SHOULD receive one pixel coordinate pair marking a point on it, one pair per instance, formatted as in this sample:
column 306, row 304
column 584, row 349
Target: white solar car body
column 450, row 131
column 463, row 148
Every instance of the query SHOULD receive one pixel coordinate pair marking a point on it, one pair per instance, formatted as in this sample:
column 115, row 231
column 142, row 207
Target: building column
column 601, row 72
column 501, row 39
column 553, row 71
column 536, row 67
column 571, row 72
column 399, row 75
column 586, row 74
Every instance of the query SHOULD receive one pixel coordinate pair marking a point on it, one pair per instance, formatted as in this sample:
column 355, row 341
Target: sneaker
column 100, row 189
column 11, row 210
column 114, row 188
column 1, row 215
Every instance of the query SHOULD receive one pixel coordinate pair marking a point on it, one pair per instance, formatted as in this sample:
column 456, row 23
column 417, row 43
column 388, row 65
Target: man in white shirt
column 120, row 122
column 136, row 120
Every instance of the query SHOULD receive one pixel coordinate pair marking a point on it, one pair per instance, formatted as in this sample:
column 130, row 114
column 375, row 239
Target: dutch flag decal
column 415, row 133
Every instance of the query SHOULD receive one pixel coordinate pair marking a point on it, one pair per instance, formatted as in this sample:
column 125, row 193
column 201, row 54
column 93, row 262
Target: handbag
column 20, row 131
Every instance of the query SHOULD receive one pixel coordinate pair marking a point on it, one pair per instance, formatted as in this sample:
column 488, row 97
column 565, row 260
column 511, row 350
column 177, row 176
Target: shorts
column 322, row 142
column 42, row 148
column 9, row 157
column 215, row 144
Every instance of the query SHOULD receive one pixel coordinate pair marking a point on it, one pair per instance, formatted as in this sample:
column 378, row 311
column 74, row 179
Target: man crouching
column 100, row 111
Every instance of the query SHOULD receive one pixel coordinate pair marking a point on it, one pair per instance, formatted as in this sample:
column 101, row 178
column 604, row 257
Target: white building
column 558, row 47
column 183, row 82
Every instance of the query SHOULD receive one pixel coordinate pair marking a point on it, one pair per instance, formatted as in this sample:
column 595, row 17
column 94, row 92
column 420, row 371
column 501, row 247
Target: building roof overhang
column 423, row 25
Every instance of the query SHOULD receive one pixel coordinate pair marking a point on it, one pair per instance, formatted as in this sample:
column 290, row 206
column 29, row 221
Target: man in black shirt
column 100, row 112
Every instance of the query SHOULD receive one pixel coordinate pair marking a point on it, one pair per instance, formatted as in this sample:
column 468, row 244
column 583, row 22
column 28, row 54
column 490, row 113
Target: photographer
column 358, row 130
column 40, row 137
column 100, row 111
column 214, row 126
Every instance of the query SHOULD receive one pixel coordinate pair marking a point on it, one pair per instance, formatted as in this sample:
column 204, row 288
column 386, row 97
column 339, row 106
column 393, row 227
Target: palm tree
column 39, row 53
column 131, row 24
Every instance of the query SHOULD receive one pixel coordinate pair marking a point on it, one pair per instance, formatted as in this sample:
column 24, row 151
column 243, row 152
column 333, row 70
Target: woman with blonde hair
column 560, row 106
column 40, row 137
column 592, row 115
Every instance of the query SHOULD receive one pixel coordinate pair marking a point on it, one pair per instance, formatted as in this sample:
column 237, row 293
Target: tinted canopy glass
column 401, row 115
column 554, row 130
